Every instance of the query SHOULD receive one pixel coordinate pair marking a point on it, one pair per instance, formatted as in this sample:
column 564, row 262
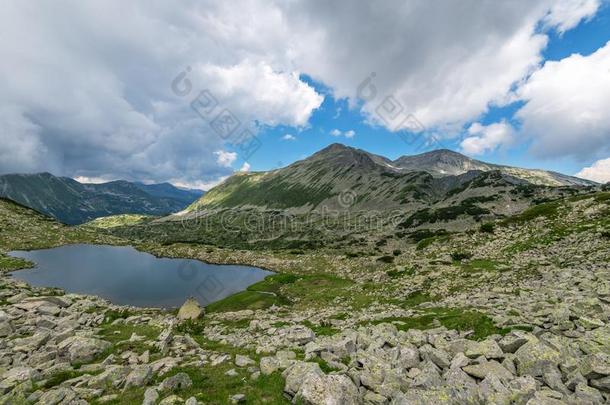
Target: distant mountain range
column 71, row 202
column 375, row 182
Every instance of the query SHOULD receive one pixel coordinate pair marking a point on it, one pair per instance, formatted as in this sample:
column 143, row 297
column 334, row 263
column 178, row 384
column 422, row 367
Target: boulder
column 533, row 357
column 318, row 389
column 190, row 310
column 80, row 349
column 296, row 374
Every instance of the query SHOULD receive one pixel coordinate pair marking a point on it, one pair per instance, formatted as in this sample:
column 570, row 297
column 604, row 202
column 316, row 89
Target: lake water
column 126, row 276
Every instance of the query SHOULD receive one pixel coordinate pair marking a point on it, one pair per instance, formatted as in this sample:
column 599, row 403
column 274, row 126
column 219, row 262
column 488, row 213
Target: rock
column 243, row 361
column 513, row 341
column 57, row 396
column 298, row 334
column 327, row 389
column 231, row 373
column 81, row 349
column 459, row 361
column 6, row 328
column 489, row 368
column 587, row 395
column 409, row 357
column 191, row 401
column 296, row 374
column 602, row 384
column 177, row 382
column 269, row 365
column 532, row 357
column 150, row 396
column 139, row 376
column 374, row 398
column 190, row 310
column 595, row 365
column 488, row 348
column 171, row 400
column 238, row 399
column 436, row 356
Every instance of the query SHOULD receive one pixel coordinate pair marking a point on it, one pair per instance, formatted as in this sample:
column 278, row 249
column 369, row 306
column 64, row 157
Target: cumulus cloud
column 565, row 15
column 598, row 171
column 225, row 158
column 86, row 86
column 289, row 137
column 348, row 134
column 245, row 167
column 487, row 138
column 566, row 110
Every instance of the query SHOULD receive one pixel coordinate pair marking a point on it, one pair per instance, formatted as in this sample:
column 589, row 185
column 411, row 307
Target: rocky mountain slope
column 517, row 313
column 71, row 202
column 366, row 181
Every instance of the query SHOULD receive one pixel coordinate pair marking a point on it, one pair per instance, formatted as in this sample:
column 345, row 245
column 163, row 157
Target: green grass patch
column 480, row 265
column 546, row 210
column 8, row 263
column 321, row 330
column 451, row 318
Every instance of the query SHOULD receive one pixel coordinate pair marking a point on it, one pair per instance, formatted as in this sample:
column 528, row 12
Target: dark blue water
column 126, row 276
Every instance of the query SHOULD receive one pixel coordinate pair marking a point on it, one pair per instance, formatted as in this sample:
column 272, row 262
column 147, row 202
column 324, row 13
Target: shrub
column 386, row 259
column 396, row 252
column 488, row 227
column 459, row 256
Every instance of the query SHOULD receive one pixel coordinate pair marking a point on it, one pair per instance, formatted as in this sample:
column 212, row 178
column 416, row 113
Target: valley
column 391, row 287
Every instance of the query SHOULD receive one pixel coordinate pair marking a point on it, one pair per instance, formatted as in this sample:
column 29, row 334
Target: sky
column 154, row 92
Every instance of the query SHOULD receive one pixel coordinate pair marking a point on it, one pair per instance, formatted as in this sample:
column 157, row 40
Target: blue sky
column 584, row 39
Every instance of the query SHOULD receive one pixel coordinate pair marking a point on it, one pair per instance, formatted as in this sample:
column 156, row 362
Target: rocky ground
column 519, row 315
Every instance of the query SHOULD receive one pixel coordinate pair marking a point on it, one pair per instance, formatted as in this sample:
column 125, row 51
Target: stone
column 243, row 361
column 139, row 376
column 171, row 400
column 150, row 396
column 327, row 389
column 190, row 310
column 296, row 374
column 57, row 396
column 602, row 384
column 487, row 348
column 269, row 365
column 436, row 356
column 191, row 401
column 532, row 357
column 238, row 399
column 177, row 382
column 81, row 349
column 489, row 368
column 513, row 341
column 409, row 357
column 595, row 365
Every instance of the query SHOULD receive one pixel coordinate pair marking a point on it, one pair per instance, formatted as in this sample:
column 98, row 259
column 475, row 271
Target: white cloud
column 245, row 167
column 109, row 109
column 598, row 171
column 224, row 158
column 348, row 134
column 566, row 110
column 567, row 14
column 487, row 138
column 289, row 137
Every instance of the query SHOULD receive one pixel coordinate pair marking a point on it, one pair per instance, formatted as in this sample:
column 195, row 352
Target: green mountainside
column 71, row 202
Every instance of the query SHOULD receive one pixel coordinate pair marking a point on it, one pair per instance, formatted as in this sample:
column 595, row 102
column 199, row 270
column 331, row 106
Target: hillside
column 71, row 202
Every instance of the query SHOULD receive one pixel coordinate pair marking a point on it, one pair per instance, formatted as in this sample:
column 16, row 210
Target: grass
column 212, row 386
column 321, row 330
column 545, row 210
column 8, row 263
column 451, row 318
column 480, row 265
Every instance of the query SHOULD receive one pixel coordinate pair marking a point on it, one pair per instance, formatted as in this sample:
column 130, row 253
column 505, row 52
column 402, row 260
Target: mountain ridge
column 72, row 202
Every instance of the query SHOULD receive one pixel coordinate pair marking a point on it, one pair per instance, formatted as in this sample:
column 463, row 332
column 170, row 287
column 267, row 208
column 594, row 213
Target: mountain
column 444, row 162
column 339, row 175
column 73, row 203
